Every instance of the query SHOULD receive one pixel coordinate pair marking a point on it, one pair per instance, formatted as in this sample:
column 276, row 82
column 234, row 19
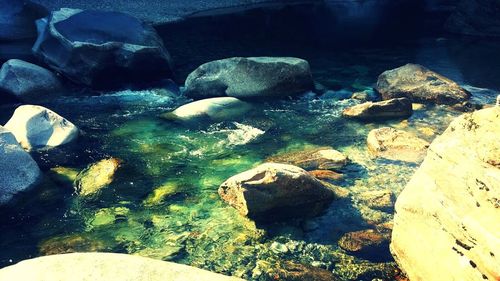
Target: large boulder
column 274, row 191
column 397, row 145
column 101, row 49
column 420, row 84
column 27, row 82
column 255, row 77
column 393, row 108
column 17, row 19
column 475, row 17
column 36, row 127
column 213, row 108
column 320, row 158
column 447, row 218
column 105, row 267
column 18, row 171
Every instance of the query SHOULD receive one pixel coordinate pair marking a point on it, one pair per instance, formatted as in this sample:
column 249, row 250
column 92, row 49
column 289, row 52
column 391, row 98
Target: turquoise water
column 163, row 202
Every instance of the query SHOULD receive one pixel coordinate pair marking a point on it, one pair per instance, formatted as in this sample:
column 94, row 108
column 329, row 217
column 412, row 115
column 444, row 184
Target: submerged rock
column 326, row 175
column 17, row 19
column 369, row 240
column 377, row 199
column 28, row 82
column 254, row 77
column 221, row 108
column 273, row 191
column 396, row 145
column 393, row 108
column 105, row 267
column 64, row 175
column 420, row 84
column 88, row 48
column 322, row 158
column 96, row 176
column 18, row 171
column 38, row 127
column 452, row 203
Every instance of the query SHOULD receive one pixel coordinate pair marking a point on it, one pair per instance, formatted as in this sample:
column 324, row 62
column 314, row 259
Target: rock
column 17, row 19
column 27, row 82
column 453, row 203
column 87, row 47
column 362, row 96
column 97, row 176
column 420, row 84
column 393, row 108
column 255, row 77
column 322, row 158
column 63, row 175
column 105, row 267
column 38, row 127
column 273, row 191
column 18, row 171
column 369, row 244
column 396, row 145
column 291, row 271
column 475, row 17
column 160, row 193
column 72, row 243
column 377, row 199
column 221, row 108
column 326, row 175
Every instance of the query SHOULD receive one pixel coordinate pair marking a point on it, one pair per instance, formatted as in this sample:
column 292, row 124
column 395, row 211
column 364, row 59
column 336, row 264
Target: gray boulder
column 257, row 77
column 17, row 19
column 101, row 49
column 18, row 171
column 27, row 82
column 393, row 108
column 220, row 108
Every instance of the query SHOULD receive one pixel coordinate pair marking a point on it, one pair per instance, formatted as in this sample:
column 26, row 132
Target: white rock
column 214, row 108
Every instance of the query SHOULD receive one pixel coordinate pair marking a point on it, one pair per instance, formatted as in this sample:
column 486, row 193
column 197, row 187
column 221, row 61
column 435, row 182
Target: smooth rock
column 18, row 171
column 420, row 84
column 97, row 176
column 322, row 158
column 447, row 218
column 272, row 191
column 86, row 47
column 104, row 267
column 38, row 127
column 221, row 108
column 254, row 77
column 28, row 82
column 396, row 145
column 17, row 19
column 393, row 108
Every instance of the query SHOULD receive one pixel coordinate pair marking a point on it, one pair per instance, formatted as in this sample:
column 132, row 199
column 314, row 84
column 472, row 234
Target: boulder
column 396, row 145
column 274, row 191
column 321, row 158
column 255, row 77
column 96, row 176
column 446, row 225
column 88, row 48
column 220, row 108
column 27, row 82
column 17, row 19
column 104, row 267
column 393, row 108
column 18, row 171
column 369, row 243
column 476, row 18
column 37, row 127
column 420, row 84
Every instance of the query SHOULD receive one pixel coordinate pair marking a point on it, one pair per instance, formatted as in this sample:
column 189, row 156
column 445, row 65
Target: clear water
column 189, row 223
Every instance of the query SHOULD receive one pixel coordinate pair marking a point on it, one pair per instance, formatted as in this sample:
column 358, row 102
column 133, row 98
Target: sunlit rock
column 326, row 175
column 64, row 175
column 420, row 84
column 18, row 171
column 221, row 108
column 396, row 145
column 446, row 225
column 37, row 127
column 255, row 77
column 322, row 158
column 393, row 108
column 97, row 176
column 272, row 191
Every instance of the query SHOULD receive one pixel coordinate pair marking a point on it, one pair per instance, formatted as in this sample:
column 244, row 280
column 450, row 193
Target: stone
column 396, row 145
column 253, row 77
column 420, row 84
column 446, row 225
column 160, row 193
column 36, row 127
column 369, row 243
column 105, row 267
column 64, row 175
column 220, row 108
column 18, row 171
column 321, row 158
column 17, row 19
column 86, row 47
column 326, row 175
column 393, row 108
column 72, row 243
column 96, row 176
column 28, row 82
column 274, row 191
column 291, row 271
column 377, row 199
column 476, row 18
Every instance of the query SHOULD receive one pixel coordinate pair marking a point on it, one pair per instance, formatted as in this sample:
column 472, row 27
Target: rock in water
column 38, row 127
column 214, row 108
column 28, row 82
column 396, row 145
column 369, row 243
column 245, row 78
column 393, row 108
column 322, row 158
column 18, row 171
column 447, row 218
column 105, row 267
column 88, row 48
column 420, row 84
column 96, row 176
column 275, row 191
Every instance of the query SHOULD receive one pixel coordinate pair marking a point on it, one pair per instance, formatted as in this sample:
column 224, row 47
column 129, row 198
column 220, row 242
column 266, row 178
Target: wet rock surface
column 221, row 108
column 97, row 176
column 395, row 144
column 322, row 158
column 393, row 108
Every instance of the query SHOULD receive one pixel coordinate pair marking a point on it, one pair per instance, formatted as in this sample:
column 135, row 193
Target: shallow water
column 163, row 202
